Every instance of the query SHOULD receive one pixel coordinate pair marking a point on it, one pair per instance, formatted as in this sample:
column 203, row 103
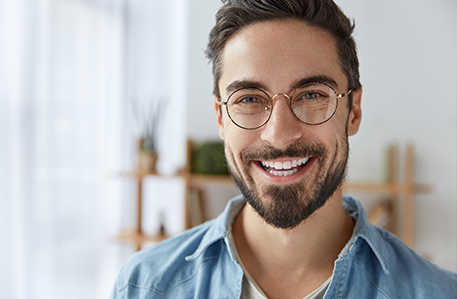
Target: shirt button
column 350, row 247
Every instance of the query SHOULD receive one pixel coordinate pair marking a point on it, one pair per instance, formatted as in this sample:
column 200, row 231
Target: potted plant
column 209, row 158
column 149, row 116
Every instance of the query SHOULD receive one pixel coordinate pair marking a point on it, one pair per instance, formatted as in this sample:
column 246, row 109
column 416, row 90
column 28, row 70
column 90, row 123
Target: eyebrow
column 320, row 79
column 244, row 84
column 257, row 84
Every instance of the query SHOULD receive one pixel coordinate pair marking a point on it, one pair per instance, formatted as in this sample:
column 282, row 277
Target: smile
column 285, row 168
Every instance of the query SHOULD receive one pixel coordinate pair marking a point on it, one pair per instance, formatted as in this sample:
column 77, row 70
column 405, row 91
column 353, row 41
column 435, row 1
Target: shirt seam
column 148, row 288
column 370, row 280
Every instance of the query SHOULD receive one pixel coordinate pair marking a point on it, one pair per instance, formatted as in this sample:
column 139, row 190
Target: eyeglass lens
column 251, row 108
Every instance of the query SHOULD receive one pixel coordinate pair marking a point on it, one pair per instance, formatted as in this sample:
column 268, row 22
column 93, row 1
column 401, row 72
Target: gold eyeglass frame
column 338, row 95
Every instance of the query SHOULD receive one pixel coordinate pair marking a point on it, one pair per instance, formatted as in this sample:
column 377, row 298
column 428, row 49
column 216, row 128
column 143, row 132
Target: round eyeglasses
column 312, row 103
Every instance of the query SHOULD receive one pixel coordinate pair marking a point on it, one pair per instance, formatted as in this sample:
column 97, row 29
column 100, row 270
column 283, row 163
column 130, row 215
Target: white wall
column 156, row 70
column 407, row 51
column 201, row 117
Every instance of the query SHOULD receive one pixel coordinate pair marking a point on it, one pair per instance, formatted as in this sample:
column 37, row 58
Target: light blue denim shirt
column 199, row 263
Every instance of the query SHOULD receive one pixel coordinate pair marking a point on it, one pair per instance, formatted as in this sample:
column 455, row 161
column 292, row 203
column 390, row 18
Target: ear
column 220, row 124
column 355, row 115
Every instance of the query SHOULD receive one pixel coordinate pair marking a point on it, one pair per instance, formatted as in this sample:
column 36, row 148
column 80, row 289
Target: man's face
column 277, row 55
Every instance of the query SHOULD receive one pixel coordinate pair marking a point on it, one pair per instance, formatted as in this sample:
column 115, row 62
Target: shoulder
column 194, row 264
column 404, row 259
column 387, row 266
column 158, row 269
column 406, row 273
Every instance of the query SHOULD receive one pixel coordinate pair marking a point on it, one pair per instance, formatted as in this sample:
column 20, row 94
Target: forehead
column 278, row 54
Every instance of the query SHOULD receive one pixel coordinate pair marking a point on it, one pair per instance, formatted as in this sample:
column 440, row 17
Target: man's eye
column 312, row 96
column 249, row 100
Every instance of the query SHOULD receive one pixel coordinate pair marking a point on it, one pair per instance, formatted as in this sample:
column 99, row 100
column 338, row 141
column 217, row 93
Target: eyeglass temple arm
column 341, row 95
column 219, row 101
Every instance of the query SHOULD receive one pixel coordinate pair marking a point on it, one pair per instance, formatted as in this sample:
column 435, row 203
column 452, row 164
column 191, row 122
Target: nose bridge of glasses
column 285, row 95
column 280, row 94
column 288, row 102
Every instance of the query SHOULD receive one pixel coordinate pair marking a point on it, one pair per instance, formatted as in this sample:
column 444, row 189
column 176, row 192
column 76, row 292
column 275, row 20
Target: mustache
column 296, row 149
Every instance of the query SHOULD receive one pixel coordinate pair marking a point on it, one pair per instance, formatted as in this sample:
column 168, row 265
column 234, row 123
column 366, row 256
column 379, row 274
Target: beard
column 286, row 207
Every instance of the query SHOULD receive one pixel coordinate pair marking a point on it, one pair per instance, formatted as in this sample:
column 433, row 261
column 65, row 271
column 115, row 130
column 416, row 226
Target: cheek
column 338, row 137
column 336, row 127
column 236, row 137
column 236, row 140
column 332, row 135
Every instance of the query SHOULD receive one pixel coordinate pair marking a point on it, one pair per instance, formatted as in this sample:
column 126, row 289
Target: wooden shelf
column 194, row 180
column 138, row 238
column 191, row 180
column 393, row 188
column 380, row 188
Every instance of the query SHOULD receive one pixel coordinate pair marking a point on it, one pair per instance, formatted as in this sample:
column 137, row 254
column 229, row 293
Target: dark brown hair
column 235, row 15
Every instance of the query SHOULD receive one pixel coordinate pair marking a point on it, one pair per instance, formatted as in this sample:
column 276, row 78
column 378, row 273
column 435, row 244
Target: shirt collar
column 363, row 229
column 220, row 228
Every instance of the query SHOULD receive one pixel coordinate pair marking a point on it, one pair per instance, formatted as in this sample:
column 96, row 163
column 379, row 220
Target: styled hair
column 325, row 15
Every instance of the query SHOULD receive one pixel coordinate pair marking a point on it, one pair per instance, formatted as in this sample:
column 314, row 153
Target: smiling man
column 287, row 96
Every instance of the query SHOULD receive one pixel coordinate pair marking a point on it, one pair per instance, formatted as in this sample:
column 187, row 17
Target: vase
column 146, row 161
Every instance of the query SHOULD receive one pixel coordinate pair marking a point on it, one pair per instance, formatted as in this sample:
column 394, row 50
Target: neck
column 307, row 251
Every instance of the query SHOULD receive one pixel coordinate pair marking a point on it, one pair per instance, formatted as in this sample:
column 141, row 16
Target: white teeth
column 304, row 160
column 283, row 173
column 286, row 164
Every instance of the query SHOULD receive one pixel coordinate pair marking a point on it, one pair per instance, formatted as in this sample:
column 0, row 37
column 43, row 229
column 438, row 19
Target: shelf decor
column 385, row 213
column 147, row 159
column 209, row 158
column 148, row 114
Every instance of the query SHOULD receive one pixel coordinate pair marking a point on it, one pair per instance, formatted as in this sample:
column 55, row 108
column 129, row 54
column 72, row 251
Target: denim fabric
column 200, row 264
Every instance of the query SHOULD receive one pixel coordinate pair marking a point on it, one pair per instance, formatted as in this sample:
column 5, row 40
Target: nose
column 283, row 128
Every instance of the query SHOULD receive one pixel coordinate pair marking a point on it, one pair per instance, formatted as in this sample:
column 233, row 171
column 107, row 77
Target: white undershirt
column 251, row 290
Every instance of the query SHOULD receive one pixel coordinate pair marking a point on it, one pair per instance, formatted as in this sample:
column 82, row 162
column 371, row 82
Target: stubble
column 286, row 207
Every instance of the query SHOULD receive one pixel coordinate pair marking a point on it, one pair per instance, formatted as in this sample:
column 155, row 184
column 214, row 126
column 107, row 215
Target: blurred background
column 81, row 80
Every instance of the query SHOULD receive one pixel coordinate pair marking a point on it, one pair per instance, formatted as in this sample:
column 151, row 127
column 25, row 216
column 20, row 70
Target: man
column 287, row 96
